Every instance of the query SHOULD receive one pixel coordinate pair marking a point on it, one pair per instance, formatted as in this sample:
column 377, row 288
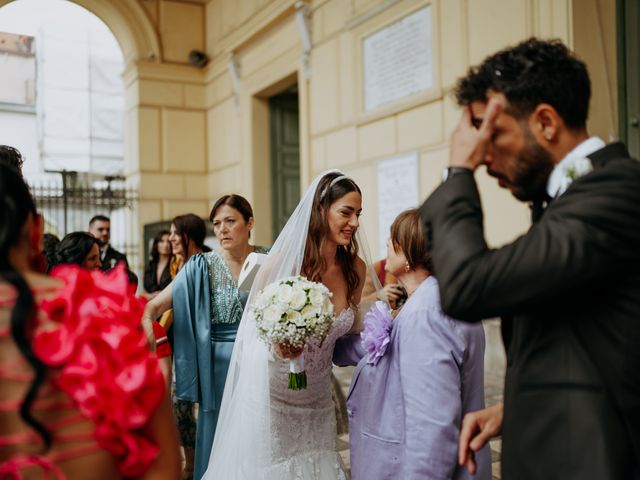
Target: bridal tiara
column 333, row 182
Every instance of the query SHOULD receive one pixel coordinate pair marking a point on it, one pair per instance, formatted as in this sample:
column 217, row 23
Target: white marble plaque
column 397, row 190
column 398, row 60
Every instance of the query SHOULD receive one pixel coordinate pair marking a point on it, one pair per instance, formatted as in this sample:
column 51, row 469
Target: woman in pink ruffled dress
column 81, row 395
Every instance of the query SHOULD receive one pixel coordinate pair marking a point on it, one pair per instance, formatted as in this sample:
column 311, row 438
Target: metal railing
column 69, row 201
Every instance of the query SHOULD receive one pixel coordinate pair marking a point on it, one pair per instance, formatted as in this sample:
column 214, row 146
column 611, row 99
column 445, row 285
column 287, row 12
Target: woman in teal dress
column 207, row 307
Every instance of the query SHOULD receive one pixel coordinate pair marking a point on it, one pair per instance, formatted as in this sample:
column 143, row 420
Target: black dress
column 150, row 283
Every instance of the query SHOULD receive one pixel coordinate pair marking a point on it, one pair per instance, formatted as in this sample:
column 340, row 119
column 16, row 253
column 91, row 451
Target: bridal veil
column 243, row 441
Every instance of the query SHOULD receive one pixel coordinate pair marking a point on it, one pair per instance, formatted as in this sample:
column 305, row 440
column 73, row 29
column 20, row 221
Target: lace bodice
column 308, row 451
column 317, row 363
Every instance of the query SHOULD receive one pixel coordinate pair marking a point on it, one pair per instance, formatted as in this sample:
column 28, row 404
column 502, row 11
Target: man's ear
column 545, row 123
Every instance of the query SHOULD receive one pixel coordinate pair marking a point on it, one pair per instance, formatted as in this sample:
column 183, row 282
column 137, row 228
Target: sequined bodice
column 226, row 301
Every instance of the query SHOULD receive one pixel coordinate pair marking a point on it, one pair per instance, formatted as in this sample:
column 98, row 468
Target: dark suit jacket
column 112, row 257
column 569, row 295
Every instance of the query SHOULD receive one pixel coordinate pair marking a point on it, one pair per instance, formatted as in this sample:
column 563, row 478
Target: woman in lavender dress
column 405, row 410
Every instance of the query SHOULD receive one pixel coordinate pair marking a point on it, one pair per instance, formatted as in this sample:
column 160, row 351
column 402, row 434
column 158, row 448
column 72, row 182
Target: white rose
column 296, row 318
column 262, row 302
column 271, row 290
column 285, row 293
column 298, row 300
column 327, row 306
column 271, row 315
column 309, row 311
column 316, row 297
column 582, row 166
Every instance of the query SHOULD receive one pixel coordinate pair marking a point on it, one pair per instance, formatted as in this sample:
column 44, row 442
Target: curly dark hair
column 533, row 72
column 16, row 206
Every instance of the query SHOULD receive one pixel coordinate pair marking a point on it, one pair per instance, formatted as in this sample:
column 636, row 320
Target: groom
column 568, row 290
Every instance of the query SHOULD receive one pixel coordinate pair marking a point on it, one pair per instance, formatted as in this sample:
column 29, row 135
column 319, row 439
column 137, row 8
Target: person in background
column 11, row 156
column 59, row 418
column 50, row 243
column 205, row 298
column 100, row 227
column 77, row 248
column 157, row 275
column 186, row 236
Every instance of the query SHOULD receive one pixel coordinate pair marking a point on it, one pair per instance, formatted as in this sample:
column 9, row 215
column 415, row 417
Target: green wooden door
column 628, row 18
column 285, row 158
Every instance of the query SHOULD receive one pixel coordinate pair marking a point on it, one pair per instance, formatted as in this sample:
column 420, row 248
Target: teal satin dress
column 207, row 308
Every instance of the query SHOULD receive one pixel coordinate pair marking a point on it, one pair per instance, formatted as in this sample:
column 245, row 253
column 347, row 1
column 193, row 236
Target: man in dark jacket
column 568, row 291
column 100, row 227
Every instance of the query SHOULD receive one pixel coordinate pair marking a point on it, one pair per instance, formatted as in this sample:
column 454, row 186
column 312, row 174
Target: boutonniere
column 377, row 330
column 579, row 167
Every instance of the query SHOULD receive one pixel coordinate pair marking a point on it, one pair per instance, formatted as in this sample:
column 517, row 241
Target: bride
column 267, row 431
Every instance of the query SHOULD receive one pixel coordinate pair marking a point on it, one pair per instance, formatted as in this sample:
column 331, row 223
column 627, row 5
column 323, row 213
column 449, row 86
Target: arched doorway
column 165, row 128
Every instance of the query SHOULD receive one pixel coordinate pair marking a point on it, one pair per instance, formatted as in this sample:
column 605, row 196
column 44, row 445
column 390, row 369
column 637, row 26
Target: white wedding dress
column 266, row 431
column 303, row 422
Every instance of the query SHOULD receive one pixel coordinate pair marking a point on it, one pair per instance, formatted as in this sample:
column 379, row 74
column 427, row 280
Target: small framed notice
column 398, row 60
column 397, row 190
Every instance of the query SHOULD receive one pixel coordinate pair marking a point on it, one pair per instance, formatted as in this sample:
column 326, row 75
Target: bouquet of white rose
column 289, row 312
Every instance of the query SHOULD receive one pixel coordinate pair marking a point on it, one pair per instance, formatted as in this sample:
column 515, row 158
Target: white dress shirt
column 556, row 184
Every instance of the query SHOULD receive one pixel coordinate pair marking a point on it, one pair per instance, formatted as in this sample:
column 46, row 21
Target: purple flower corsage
column 377, row 329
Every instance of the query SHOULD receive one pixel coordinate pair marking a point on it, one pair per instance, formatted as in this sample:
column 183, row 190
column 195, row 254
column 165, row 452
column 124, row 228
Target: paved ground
column 494, row 376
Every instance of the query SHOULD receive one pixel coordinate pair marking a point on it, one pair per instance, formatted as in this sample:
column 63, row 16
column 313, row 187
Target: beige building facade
column 195, row 133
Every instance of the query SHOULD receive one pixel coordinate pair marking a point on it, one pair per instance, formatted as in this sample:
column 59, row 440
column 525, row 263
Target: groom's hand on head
column 469, row 142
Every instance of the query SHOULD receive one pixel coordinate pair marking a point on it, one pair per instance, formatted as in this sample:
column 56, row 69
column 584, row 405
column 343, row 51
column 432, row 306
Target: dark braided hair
column 16, row 205
column 73, row 248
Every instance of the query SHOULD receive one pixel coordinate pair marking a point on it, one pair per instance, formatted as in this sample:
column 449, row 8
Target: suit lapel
column 363, row 362
column 613, row 150
column 356, row 375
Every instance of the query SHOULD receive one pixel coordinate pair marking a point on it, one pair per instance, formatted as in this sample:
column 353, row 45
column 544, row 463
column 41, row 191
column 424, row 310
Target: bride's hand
column 288, row 352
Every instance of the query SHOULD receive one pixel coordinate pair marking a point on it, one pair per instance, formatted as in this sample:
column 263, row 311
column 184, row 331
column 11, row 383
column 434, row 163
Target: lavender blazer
column 405, row 412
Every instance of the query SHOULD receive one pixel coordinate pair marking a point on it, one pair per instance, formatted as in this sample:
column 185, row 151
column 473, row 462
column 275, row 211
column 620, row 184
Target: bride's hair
column 329, row 190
